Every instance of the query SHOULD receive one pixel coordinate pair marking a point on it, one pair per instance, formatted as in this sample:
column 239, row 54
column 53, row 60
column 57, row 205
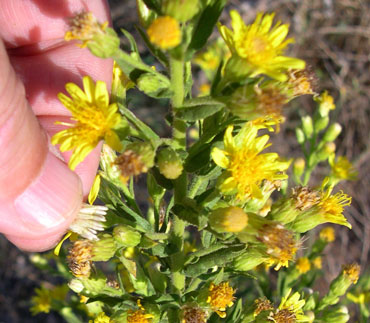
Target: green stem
column 180, row 184
column 177, row 82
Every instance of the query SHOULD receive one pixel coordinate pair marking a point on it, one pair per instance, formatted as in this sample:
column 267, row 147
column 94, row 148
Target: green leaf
column 133, row 46
column 198, row 108
column 153, row 4
column 218, row 258
column 141, row 126
column 205, row 26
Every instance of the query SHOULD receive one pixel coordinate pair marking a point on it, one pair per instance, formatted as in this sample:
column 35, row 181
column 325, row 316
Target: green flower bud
column 104, row 45
column 284, row 211
column 300, row 136
column 126, row 236
column 348, row 276
column 104, row 248
column 325, row 152
column 152, row 85
column 307, row 126
column 181, row 10
column 333, row 132
column 321, row 123
column 298, row 167
column 249, row 260
column 169, row 163
column 229, row 219
column 339, row 315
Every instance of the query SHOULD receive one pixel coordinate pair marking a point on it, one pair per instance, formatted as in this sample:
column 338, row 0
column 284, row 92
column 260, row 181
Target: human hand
column 39, row 195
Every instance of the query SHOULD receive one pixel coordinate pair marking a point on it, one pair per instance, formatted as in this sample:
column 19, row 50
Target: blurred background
column 333, row 37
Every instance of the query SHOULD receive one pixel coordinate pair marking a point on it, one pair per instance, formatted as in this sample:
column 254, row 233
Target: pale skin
column 39, row 195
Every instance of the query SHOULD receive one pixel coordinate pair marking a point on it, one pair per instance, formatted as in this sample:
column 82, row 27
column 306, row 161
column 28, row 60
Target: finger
column 26, row 23
column 42, row 192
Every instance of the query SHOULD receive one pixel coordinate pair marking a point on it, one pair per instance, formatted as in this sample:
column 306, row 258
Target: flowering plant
column 223, row 216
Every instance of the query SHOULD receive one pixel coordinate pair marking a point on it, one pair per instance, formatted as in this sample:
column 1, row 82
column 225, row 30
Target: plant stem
column 180, row 187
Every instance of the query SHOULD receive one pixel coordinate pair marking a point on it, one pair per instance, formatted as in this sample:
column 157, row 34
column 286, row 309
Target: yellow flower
column 352, row 271
column 210, row 59
column 303, row 265
column 84, row 27
column 317, row 263
column 328, row 209
column 165, row 32
column 41, row 301
column 280, row 243
column 326, row 103
column 342, row 169
column 139, row 315
column 43, row 298
column 261, row 46
column 290, row 310
column 220, row 297
column 101, row 318
column 246, row 169
column 331, row 206
column 95, row 120
column 327, row 234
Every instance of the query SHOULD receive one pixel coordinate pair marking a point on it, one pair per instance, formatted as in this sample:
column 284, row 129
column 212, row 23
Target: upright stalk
column 180, row 187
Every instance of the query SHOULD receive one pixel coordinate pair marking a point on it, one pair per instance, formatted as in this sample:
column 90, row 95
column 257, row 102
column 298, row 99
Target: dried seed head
column 79, row 258
column 304, row 197
column 193, row 314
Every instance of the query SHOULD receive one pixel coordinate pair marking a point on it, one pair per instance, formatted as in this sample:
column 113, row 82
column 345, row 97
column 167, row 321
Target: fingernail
column 53, row 199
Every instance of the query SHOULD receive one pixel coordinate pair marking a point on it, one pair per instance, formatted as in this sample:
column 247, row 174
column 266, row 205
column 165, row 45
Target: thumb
column 39, row 195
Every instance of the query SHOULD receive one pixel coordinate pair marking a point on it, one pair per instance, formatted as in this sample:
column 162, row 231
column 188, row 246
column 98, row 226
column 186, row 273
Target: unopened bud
column 104, row 248
column 321, row 124
column 181, row 10
column 339, row 315
column 249, row 260
column 300, row 135
column 169, row 163
column 228, row 219
column 298, row 167
column 333, row 132
column 326, row 151
column 126, row 236
column 307, row 126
